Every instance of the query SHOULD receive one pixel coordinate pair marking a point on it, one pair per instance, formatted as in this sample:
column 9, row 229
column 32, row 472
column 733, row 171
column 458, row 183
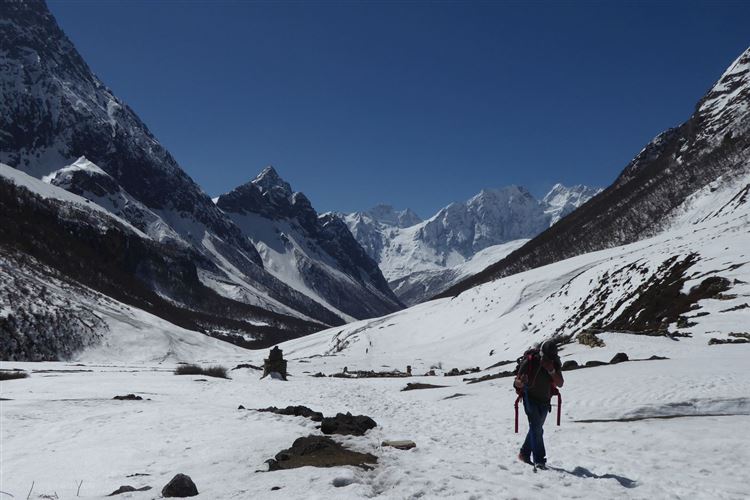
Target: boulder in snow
column 400, row 445
column 355, row 425
column 180, row 486
column 619, row 358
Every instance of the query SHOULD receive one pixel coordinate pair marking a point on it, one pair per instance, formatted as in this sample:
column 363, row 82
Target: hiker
column 537, row 376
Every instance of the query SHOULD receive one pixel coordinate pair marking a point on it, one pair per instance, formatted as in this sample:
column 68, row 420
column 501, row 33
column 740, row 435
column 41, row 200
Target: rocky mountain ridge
column 315, row 252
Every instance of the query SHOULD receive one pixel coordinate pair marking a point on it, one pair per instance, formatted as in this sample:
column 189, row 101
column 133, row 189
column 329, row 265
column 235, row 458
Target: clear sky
column 412, row 103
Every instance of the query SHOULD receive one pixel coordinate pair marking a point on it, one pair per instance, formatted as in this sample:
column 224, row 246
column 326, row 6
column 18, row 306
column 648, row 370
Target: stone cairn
column 275, row 363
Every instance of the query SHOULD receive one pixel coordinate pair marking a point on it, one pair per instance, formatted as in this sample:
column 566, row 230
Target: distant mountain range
column 422, row 258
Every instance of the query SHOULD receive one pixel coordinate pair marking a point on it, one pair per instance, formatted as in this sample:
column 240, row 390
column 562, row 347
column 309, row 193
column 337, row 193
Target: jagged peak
column 299, row 198
column 82, row 164
column 739, row 65
column 269, row 179
column 725, row 106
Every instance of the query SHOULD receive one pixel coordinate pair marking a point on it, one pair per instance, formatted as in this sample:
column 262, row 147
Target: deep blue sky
column 412, row 103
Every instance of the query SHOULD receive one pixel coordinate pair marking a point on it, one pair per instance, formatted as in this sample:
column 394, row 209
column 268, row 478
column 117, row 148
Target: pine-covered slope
column 315, row 253
column 713, row 142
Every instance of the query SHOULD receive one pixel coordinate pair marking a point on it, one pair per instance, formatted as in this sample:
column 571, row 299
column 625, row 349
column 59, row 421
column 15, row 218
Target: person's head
column 548, row 350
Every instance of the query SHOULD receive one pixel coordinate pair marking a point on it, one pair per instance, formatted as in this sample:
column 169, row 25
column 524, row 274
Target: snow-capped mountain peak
column 724, row 107
column 269, row 179
column 561, row 200
column 316, row 253
column 82, row 164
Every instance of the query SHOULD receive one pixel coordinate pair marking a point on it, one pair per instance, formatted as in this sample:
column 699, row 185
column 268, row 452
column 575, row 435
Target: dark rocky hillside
column 88, row 251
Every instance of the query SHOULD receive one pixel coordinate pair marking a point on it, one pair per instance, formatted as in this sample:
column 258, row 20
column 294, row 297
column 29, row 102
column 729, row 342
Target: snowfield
column 61, row 428
column 671, row 428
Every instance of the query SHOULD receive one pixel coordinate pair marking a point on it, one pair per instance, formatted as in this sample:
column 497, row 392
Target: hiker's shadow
column 583, row 472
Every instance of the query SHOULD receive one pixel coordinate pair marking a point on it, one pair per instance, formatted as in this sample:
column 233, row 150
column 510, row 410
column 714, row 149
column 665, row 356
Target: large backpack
column 526, row 364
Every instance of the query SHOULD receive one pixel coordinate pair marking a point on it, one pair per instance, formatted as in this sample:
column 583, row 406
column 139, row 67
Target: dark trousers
column 534, row 443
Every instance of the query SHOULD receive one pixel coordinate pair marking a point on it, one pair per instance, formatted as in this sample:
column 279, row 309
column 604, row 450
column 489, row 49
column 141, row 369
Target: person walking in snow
column 537, row 377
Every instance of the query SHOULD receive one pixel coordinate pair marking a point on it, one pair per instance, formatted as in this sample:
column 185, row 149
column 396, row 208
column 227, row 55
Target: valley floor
column 60, row 427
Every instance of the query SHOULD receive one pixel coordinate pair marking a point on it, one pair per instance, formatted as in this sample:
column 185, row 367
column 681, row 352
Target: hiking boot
column 523, row 458
column 541, row 465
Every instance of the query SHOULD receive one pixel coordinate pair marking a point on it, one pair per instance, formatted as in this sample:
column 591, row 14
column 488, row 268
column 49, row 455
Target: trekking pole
column 559, row 407
column 516, row 406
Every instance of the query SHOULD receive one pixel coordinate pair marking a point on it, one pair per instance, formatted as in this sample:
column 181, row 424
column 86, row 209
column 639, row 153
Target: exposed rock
column 318, row 451
column 660, row 302
column 413, row 386
column 590, row 364
column 128, row 397
column 588, row 337
column 484, row 378
column 618, row 358
column 126, row 489
column 453, row 396
column 355, row 425
column 297, row 411
column 682, row 322
column 400, row 445
column 180, row 486
column 715, row 341
column 456, row 372
column 736, row 308
column 655, row 358
column 247, row 365
column 12, row 374
column 570, row 364
column 371, row 374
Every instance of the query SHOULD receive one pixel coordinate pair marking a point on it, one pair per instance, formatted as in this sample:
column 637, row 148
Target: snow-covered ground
column 60, row 428
column 674, row 428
